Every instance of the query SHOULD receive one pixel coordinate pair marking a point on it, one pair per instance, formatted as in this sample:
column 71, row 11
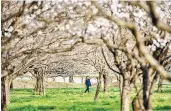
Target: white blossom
column 39, row 32
column 163, row 44
column 27, row 17
column 71, row 41
column 46, row 6
column 67, row 26
column 149, row 47
column 155, row 43
column 39, row 2
column 10, row 29
column 159, row 39
column 52, row 10
column 105, row 38
column 91, row 29
column 153, row 48
column 55, row 14
column 35, row 7
column 141, row 13
column 170, row 47
column 60, row 0
column 70, row 8
column 142, row 23
column 73, row 1
column 62, row 28
column 7, row 34
column 28, row 1
column 123, row 15
column 135, row 14
column 80, row 3
column 38, row 11
column 59, row 6
column 26, row 10
column 115, row 27
column 71, row 22
column 119, row 5
column 168, row 38
column 114, row 6
column 154, row 29
column 19, row 32
column 102, row 22
column 32, row 24
column 87, row 4
column 108, row 35
column 130, row 8
column 95, row 10
column 78, row 33
column 32, row 16
column 47, row 15
column 66, row 1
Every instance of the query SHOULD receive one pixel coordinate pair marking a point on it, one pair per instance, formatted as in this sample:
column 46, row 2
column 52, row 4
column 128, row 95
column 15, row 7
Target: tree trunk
column 147, row 88
column 125, row 99
column 102, row 82
column 53, row 79
column 98, row 86
column 82, row 80
column 137, row 103
column 64, row 79
column 159, row 89
column 120, row 84
column 5, row 92
column 39, row 88
column 71, row 79
column 11, row 85
column 105, row 80
column 152, row 84
column 40, row 81
column 3, row 95
column 44, row 84
column 7, row 88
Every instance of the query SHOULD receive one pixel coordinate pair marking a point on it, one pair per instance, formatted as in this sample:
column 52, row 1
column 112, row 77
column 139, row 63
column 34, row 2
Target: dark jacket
column 87, row 82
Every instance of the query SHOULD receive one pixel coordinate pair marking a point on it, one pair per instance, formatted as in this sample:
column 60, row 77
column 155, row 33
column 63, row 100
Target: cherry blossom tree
column 133, row 31
column 30, row 31
column 150, row 63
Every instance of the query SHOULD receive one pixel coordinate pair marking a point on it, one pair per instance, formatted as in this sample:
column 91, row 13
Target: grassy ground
column 73, row 99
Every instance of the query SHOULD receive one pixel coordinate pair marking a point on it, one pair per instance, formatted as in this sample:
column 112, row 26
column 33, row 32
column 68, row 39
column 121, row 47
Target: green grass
column 73, row 99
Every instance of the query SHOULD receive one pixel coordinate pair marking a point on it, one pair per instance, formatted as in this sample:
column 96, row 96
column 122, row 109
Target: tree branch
column 108, row 63
column 142, row 49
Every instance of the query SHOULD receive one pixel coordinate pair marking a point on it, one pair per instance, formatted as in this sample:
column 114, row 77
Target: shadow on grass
column 72, row 91
column 23, row 90
column 33, row 108
column 21, row 100
column 164, row 91
column 163, row 108
column 114, row 89
column 29, row 98
column 88, row 106
column 46, row 107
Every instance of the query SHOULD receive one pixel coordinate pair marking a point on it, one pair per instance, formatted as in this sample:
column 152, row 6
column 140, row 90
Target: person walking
column 88, row 84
